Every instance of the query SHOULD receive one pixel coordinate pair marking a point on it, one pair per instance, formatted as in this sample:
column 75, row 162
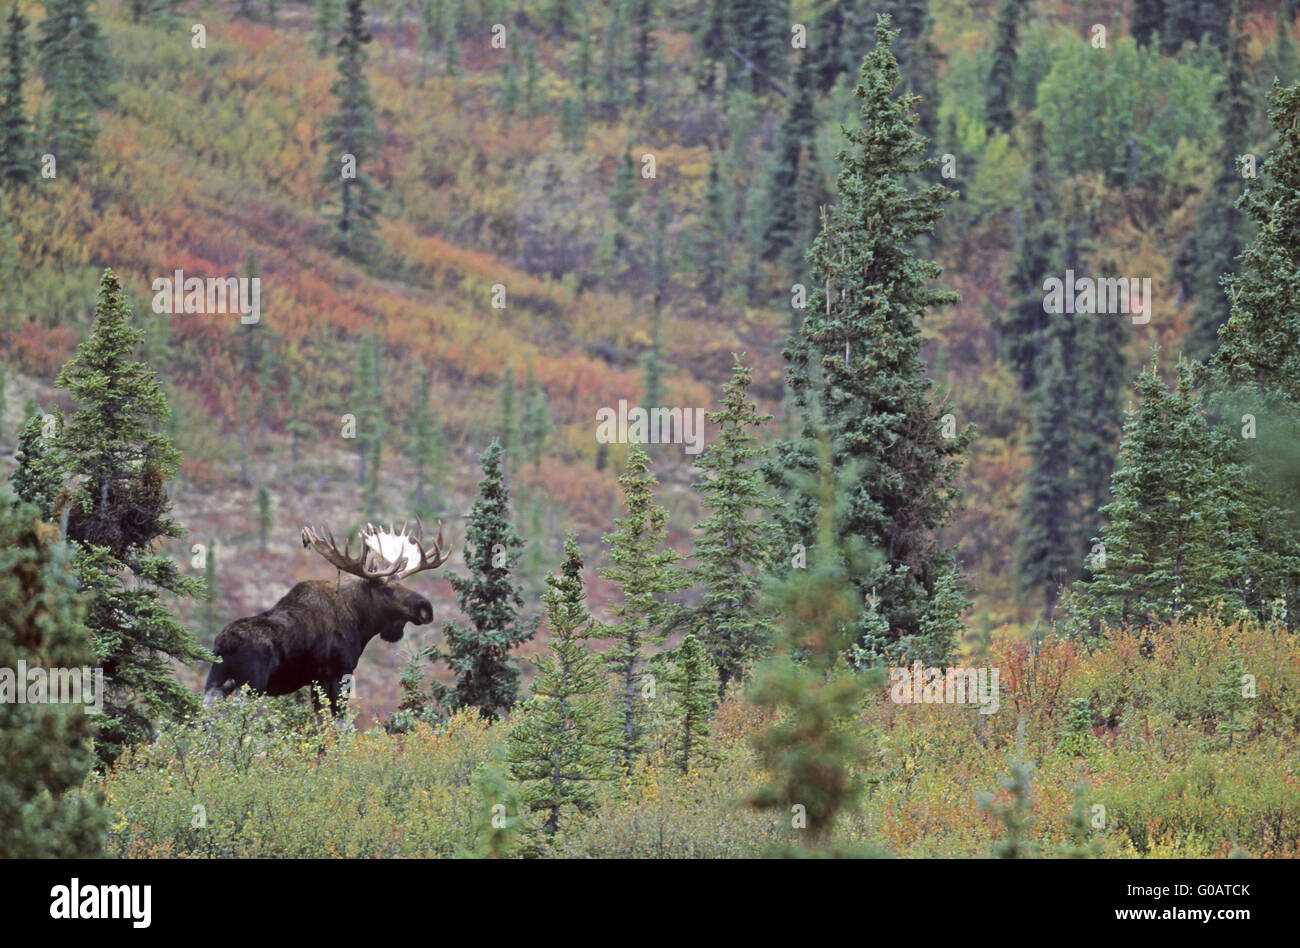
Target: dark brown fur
column 314, row 635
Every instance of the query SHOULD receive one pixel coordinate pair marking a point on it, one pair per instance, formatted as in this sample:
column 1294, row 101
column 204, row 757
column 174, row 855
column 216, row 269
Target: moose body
column 317, row 631
column 314, row 635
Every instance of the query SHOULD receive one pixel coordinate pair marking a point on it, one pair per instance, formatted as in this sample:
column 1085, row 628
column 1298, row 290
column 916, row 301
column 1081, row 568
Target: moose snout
column 422, row 613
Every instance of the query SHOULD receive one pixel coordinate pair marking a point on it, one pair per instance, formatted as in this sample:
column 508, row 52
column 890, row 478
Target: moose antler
column 405, row 552
column 345, row 561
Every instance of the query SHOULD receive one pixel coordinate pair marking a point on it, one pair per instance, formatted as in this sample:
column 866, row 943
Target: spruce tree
column 297, row 425
column 858, row 357
column 264, row 522
column 582, row 62
column 429, row 451
column 17, row 156
column 478, row 654
column 712, row 37
column 1213, row 247
column 917, row 57
column 645, row 570
column 1148, row 20
column 783, row 224
column 45, row 747
column 507, row 433
column 613, row 75
column 559, row 750
column 653, row 364
column 763, row 41
column 734, row 543
column 451, row 49
column 1254, row 375
column 1037, row 255
column 38, row 475
column 1099, row 371
column 211, row 593
column 839, row 37
column 365, row 402
column 812, row 751
column 537, row 421
column 714, row 250
column 350, row 137
column 326, row 21
column 70, row 32
column 691, row 687
column 242, row 412
column 532, row 79
column 1002, row 73
column 1260, row 345
column 1169, row 549
column 1047, row 552
column 621, row 201
column 117, row 465
column 74, row 64
column 643, row 44
column 1191, row 21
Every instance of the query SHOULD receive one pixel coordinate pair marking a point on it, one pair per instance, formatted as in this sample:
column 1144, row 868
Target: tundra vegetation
column 480, row 229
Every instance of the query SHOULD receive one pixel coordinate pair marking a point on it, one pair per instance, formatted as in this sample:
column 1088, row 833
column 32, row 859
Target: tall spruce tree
column 840, row 37
column 735, row 542
column 645, row 570
column 712, row 37
column 478, row 654
column 297, row 424
column 763, row 42
column 508, row 431
column 813, row 752
column 536, row 421
column 1260, row 345
column 17, row 156
column 326, row 22
column 74, row 64
column 1191, row 21
column 917, row 57
column 858, row 357
column 117, row 465
column 264, row 521
column 559, row 750
column 1000, row 93
column 1212, row 248
column 1168, row 549
column 1047, row 553
column 70, row 31
column 350, row 135
column 211, row 612
column 795, row 136
column 713, row 247
column 45, row 746
column 1023, row 331
column 429, row 451
column 1254, row 375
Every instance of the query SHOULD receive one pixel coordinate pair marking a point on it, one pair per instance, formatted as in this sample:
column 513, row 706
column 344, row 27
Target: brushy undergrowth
column 1130, row 750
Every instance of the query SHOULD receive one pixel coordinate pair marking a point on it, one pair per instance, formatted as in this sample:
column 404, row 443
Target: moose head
column 386, row 557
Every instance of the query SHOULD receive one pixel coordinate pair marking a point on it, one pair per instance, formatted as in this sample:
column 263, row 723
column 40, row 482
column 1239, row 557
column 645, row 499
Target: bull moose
column 316, row 633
